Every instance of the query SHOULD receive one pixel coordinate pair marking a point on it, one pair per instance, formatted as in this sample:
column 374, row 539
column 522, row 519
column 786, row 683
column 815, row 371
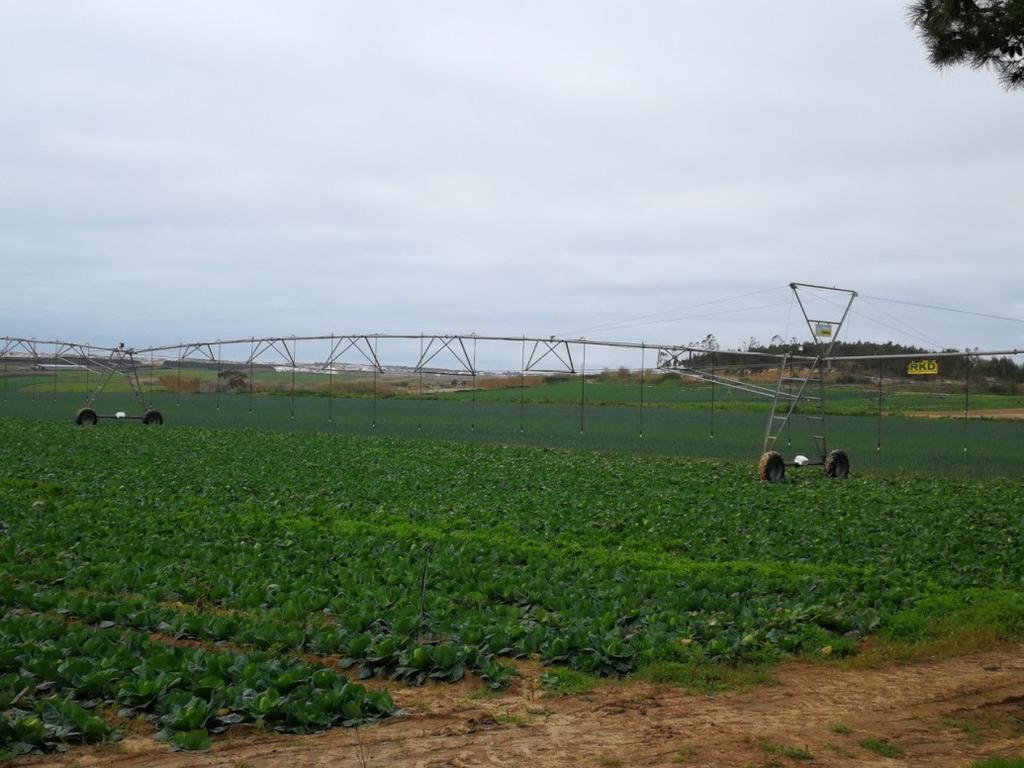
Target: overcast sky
column 179, row 170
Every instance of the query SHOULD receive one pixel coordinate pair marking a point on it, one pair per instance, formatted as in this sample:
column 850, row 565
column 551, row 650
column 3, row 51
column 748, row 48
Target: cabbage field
column 981, row 448
column 207, row 578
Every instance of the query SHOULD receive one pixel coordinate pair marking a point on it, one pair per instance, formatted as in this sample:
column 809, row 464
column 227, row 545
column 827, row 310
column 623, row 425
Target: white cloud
column 179, row 170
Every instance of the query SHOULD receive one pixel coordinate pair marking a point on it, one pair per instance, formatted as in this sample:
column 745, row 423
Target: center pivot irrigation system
column 800, row 381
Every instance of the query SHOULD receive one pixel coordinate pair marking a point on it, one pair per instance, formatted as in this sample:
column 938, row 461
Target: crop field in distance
column 921, row 428
column 203, row 580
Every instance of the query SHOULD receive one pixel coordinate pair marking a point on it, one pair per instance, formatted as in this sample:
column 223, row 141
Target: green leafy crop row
column 52, row 674
column 417, row 560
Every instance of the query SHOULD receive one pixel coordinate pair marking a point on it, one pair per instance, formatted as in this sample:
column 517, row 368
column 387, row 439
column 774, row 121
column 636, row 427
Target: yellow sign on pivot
column 823, row 329
column 923, row 368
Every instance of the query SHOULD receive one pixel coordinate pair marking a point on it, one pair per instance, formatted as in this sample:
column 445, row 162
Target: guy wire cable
column 925, row 340
column 948, row 309
column 719, row 313
column 626, row 322
column 909, row 329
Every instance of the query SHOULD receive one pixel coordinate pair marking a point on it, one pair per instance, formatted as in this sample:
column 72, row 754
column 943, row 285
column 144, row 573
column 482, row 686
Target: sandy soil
column 948, row 712
column 985, row 413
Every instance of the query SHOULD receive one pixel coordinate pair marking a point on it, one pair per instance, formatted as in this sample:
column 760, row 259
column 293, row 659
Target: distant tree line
column 1001, row 368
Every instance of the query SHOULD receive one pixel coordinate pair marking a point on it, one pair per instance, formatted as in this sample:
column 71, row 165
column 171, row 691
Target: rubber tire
column 837, row 465
column 152, row 418
column 86, row 417
column 772, row 467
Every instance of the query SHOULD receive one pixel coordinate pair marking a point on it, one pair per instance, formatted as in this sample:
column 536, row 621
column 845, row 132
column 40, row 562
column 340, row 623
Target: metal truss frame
column 559, row 353
column 540, row 354
column 814, row 374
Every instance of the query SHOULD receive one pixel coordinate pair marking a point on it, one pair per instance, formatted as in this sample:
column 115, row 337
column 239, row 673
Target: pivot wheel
column 86, row 417
column 837, row 465
column 771, row 468
column 152, row 418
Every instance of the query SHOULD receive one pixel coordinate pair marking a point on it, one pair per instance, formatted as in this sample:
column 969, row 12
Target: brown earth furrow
column 921, row 708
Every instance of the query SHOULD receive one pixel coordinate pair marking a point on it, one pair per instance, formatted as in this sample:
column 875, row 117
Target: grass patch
column 966, row 617
column 842, row 730
column 999, row 762
column 883, row 651
column 970, row 728
column 883, row 747
column 839, row 749
column 484, row 693
column 561, row 681
column 507, row 718
column 794, row 753
column 684, row 755
column 704, row 678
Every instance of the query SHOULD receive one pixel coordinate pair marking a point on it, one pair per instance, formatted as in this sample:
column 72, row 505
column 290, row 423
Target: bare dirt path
column 948, row 712
column 1012, row 414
